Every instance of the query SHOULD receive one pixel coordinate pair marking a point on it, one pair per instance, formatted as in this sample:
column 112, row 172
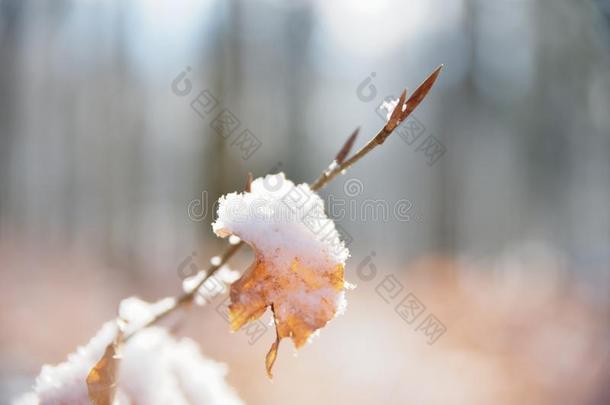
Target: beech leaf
column 298, row 270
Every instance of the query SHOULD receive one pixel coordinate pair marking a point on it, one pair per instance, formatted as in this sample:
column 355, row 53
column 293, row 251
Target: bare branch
column 187, row 298
column 400, row 113
column 413, row 101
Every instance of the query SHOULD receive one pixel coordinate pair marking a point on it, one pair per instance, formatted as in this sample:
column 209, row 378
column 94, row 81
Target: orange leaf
column 300, row 298
column 103, row 377
column 297, row 273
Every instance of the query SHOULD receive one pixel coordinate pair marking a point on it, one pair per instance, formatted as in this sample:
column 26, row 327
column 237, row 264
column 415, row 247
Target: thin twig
column 187, row 298
column 399, row 114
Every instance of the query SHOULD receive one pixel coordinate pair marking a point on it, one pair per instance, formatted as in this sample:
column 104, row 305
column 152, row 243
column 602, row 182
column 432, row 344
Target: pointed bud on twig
column 249, row 183
column 421, row 92
column 347, row 147
column 404, row 109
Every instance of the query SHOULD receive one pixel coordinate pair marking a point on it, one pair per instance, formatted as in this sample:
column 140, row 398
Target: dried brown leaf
column 251, row 295
column 103, row 377
column 264, row 285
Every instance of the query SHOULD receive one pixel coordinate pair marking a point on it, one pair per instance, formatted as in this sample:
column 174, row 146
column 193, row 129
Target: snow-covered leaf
column 155, row 368
column 299, row 259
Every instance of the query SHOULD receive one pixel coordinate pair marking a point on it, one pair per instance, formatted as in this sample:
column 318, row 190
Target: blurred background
column 112, row 155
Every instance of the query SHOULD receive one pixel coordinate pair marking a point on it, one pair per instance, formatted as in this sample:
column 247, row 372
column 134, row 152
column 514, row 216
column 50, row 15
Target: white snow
column 389, row 106
column 216, row 284
column 279, row 216
column 155, row 369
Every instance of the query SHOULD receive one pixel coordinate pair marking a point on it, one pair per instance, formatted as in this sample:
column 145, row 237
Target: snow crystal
column 215, row 261
column 389, row 106
column 332, row 166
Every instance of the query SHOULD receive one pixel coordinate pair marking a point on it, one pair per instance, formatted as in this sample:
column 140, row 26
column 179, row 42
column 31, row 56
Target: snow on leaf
column 155, row 368
column 299, row 259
